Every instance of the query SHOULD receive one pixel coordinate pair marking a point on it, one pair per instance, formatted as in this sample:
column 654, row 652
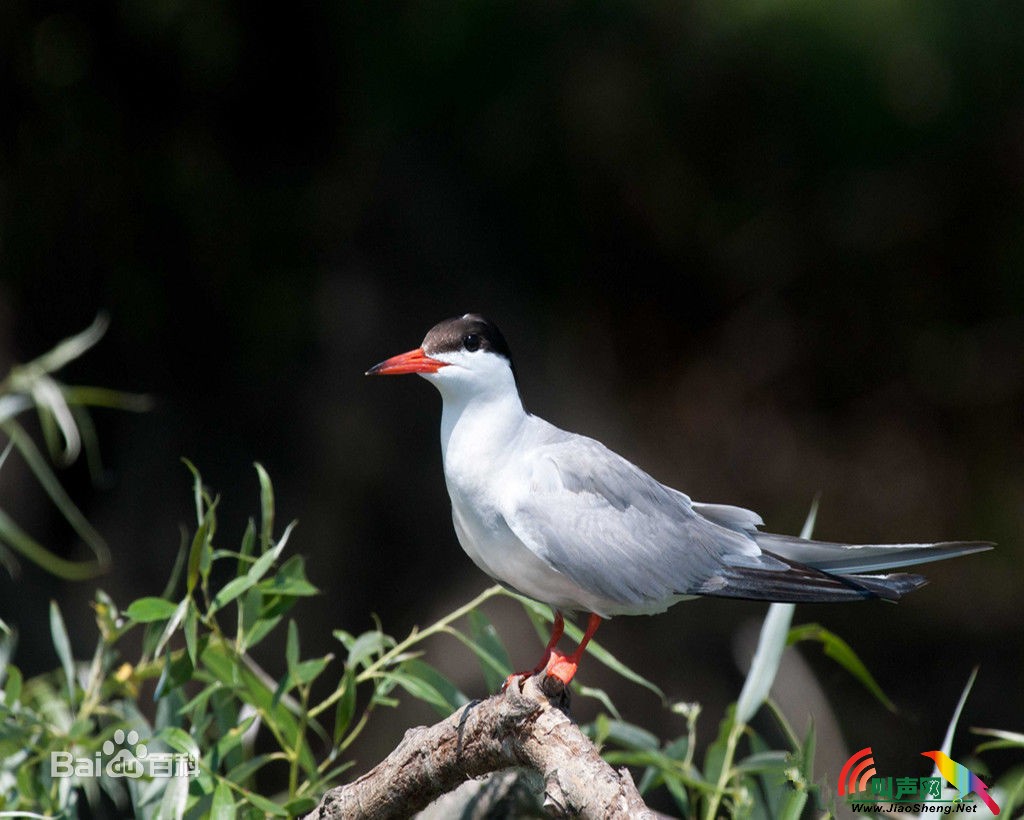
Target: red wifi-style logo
column 857, row 772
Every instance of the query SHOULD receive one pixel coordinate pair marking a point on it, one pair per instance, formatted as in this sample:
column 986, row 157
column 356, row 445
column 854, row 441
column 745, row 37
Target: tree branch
column 520, row 727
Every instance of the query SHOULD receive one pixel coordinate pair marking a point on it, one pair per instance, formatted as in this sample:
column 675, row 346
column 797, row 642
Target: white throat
column 478, row 426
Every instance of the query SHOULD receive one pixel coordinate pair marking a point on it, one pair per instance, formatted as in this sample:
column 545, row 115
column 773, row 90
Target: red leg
column 564, row 667
column 556, row 633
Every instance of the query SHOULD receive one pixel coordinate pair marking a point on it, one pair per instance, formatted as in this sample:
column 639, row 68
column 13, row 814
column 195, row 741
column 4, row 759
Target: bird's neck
column 479, row 427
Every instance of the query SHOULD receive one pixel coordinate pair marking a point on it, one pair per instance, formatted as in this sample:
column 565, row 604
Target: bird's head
column 463, row 357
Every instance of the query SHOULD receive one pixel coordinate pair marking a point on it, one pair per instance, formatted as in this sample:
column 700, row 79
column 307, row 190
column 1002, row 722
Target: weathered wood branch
column 518, row 728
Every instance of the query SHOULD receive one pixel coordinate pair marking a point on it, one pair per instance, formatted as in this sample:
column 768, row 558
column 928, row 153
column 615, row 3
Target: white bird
column 560, row 518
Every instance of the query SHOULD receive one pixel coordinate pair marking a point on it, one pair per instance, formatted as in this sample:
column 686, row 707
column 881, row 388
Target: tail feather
column 799, row 583
column 857, row 558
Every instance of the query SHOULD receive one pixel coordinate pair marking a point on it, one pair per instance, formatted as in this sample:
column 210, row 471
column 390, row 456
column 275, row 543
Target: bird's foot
column 562, row 667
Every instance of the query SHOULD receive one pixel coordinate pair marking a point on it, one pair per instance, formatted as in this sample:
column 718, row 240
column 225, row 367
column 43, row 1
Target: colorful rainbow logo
column 961, row 778
column 857, row 772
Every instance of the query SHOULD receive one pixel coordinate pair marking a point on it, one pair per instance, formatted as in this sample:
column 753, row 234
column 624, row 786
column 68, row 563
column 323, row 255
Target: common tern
column 561, row 519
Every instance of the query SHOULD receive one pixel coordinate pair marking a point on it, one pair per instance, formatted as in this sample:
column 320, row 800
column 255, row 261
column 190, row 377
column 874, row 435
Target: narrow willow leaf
column 793, row 808
column 179, row 565
column 175, row 797
column 308, row 671
column 231, row 590
column 947, row 741
column 770, row 645
column 191, row 632
column 172, row 624
column 493, row 668
column 631, row 736
column 266, row 508
column 291, row 652
column 366, row 646
column 450, row 694
column 420, row 689
column 62, row 644
column 767, row 658
column 486, row 637
column 601, row 696
column 290, row 579
column 346, row 707
column 48, row 481
column 842, row 653
column 147, row 610
column 18, row 540
column 69, row 349
column 248, row 545
column 12, row 686
column 770, row 761
column 263, row 564
column 266, row 806
column 223, row 806
column 243, row 771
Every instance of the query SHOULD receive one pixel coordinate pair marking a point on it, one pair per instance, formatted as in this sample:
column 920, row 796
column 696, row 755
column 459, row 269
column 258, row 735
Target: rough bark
column 518, row 728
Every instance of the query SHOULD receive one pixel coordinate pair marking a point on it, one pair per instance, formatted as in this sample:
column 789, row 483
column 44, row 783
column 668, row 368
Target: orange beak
column 415, row 361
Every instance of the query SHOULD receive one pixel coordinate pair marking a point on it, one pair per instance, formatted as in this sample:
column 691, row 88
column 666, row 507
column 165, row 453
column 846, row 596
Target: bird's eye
column 471, row 342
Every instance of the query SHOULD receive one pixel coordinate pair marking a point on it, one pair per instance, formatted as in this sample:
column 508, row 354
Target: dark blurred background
column 765, row 250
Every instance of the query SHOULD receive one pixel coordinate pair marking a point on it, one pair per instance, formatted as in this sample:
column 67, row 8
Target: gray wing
column 620, row 534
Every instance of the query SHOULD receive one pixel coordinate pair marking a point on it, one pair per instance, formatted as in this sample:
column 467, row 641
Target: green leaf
column 248, row 545
column 243, row 771
column 796, row 799
column 767, row 658
column 266, row 508
column 49, row 482
column 200, row 555
column 346, row 707
column 260, row 630
column 147, row 610
column 21, row 542
column 223, row 807
column 497, row 667
column 841, row 652
column 180, row 740
column 947, row 741
column 191, row 630
column 630, row 736
column 601, row 696
column 300, row 806
column 172, row 624
column 290, row 579
column 175, row 797
column 71, row 348
column 420, row 689
column 308, row 671
column 291, row 652
column 267, row 806
column 774, row 761
column 12, row 686
column 263, row 564
column 231, row 590
column 62, row 644
column 366, row 646
column 450, row 698
column 230, row 669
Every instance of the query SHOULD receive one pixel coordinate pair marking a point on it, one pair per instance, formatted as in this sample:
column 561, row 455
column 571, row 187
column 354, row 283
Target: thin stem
column 726, row 771
column 300, row 738
column 416, row 636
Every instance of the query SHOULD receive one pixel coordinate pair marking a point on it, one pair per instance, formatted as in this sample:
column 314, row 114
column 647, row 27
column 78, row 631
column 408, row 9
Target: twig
column 518, row 728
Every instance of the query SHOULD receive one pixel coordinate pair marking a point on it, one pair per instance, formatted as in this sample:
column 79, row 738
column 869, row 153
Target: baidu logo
column 124, row 756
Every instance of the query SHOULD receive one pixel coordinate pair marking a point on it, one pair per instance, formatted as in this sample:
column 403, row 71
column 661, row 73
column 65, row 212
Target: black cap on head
column 470, row 332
